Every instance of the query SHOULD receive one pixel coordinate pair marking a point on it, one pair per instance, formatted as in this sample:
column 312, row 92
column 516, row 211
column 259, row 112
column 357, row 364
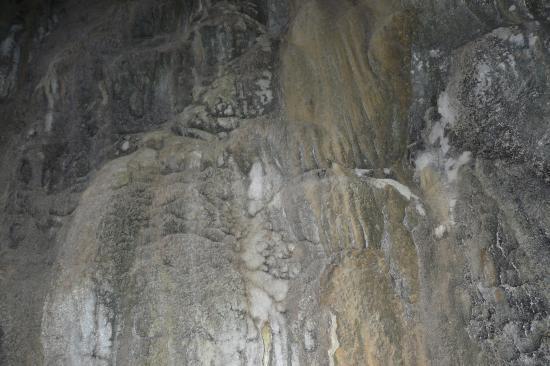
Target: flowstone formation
column 274, row 182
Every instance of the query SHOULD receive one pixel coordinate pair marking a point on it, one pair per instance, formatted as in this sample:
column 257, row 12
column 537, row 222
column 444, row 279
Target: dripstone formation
column 274, row 182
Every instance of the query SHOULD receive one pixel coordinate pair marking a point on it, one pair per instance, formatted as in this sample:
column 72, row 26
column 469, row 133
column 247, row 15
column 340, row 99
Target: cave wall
column 272, row 182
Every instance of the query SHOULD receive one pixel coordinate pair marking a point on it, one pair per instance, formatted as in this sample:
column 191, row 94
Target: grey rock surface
column 274, row 182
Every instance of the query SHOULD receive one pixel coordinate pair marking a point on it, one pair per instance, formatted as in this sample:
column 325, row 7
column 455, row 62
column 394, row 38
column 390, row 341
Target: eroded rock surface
column 275, row 182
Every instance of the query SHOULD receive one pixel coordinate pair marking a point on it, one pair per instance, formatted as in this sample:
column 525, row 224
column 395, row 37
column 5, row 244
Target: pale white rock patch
column 125, row 146
column 399, row 187
column 446, row 109
column 266, row 294
column 256, row 175
column 452, row 165
column 437, row 154
column 256, row 188
column 334, row 342
column 440, row 231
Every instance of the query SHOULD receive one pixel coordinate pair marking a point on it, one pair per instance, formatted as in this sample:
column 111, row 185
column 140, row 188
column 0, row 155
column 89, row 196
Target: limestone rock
column 274, row 182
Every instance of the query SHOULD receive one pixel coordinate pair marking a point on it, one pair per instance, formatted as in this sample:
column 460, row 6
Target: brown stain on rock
column 373, row 325
column 339, row 72
column 345, row 76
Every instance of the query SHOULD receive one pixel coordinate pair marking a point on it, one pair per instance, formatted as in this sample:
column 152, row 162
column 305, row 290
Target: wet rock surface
column 274, row 182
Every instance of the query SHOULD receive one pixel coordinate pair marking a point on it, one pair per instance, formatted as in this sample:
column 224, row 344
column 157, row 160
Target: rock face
column 275, row 182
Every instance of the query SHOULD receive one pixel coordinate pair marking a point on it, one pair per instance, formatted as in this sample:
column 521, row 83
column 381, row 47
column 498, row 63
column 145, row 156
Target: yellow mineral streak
column 342, row 62
column 266, row 338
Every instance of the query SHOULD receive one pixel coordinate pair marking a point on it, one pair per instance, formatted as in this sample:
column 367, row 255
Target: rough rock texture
column 275, row 182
